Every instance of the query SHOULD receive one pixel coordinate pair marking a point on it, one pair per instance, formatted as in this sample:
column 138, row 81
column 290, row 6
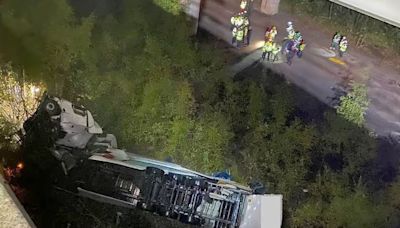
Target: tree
column 148, row 82
column 352, row 210
column 277, row 150
column 331, row 202
column 18, row 99
column 355, row 210
column 354, row 104
column 345, row 147
column 49, row 31
column 256, row 107
column 206, row 146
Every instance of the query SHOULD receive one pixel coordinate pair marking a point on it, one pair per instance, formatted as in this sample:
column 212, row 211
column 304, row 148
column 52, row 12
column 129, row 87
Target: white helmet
column 289, row 23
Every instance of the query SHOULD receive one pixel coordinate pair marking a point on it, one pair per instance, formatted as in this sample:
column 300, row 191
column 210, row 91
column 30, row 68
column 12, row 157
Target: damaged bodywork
column 97, row 169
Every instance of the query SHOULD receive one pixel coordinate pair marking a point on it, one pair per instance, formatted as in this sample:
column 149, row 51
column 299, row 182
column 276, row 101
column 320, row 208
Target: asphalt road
column 320, row 69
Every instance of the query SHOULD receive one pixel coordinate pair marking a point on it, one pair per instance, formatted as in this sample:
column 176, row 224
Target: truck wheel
column 203, row 184
column 52, row 108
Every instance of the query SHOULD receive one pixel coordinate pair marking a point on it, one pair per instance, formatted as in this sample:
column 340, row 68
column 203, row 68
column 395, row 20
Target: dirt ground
column 320, row 69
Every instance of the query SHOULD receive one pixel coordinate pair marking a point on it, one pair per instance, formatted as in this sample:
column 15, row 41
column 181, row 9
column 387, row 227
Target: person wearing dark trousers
column 248, row 38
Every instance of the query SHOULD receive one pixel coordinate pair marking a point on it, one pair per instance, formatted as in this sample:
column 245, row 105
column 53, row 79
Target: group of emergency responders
column 270, row 49
column 292, row 45
column 339, row 43
column 241, row 29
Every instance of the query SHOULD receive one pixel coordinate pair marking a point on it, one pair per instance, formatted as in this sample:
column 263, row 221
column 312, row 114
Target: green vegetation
column 171, row 6
column 363, row 29
column 354, row 104
column 18, row 100
column 346, row 209
column 152, row 84
column 59, row 44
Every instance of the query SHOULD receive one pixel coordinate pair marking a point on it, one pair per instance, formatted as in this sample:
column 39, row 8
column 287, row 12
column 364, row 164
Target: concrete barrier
column 12, row 213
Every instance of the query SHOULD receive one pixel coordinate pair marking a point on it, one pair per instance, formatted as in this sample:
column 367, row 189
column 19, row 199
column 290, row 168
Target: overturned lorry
column 98, row 170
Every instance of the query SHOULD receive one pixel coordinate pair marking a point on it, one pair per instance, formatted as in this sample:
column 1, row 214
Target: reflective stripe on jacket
column 239, row 35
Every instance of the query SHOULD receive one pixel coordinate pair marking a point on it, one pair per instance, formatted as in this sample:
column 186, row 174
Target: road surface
column 319, row 70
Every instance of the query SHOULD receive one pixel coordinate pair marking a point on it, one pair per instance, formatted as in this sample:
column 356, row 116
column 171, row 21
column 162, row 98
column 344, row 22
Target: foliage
column 173, row 6
column 49, row 31
column 364, row 29
column 391, row 198
column 352, row 210
column 354, row 104
column 346, row 147
column 18, row 99
column 355, row 210
column 331, row 203
column 276, row 147
column 256, row 108
column 149, row 82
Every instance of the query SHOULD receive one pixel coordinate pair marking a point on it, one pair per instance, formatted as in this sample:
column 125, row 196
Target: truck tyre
column 52, row 107
column 203, row 184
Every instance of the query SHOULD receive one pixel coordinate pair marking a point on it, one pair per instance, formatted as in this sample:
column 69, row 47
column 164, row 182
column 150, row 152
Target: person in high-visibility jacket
column 290, row 27
column 233, row 21
column 291, row 35
column 270, row 34
column 343, row 46
column 234, row 32
column 276, row 48
column 297, row 37
column 237, row 21
column 266, row 35
column 301, row 48
column 290, row 30
column 239, row 36
column 267, row 49
column 335, row 41
column 290, row 50
column 247, row 29
column 273, row 33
